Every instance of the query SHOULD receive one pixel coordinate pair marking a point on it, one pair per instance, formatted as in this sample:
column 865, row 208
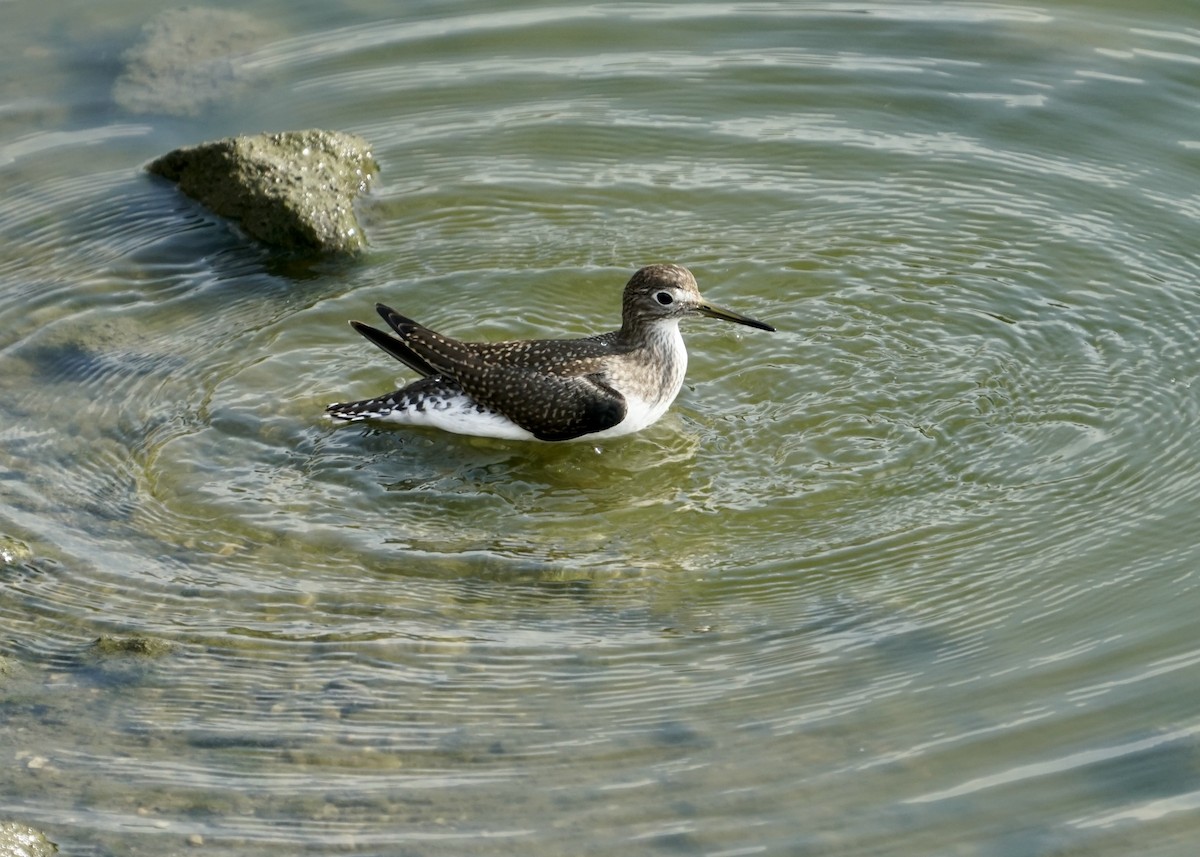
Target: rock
column 186, row 60
column 13, row 551
column 18, row 840
column 106, row 646
column 124, row 661
column 293, row 190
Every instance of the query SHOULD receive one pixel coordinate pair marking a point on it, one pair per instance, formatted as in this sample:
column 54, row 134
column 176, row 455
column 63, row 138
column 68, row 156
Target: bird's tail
column 366, row 409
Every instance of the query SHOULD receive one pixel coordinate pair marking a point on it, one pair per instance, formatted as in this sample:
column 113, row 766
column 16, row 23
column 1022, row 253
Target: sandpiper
column 600, row 386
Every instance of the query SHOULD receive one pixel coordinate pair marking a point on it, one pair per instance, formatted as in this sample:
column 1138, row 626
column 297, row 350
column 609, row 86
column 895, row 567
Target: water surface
column 915, row 575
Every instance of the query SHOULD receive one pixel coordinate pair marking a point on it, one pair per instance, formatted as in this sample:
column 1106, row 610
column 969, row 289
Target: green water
column 915, row 575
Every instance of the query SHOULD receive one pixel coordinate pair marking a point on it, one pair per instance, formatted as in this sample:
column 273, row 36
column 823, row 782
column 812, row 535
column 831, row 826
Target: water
column 915, row 575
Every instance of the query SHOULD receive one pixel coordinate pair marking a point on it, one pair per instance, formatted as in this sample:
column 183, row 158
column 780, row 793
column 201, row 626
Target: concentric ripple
column 914, row 575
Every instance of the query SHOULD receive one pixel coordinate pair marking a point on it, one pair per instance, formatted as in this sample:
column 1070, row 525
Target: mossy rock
column 13, row 551
column 106, row 646
column 124, row 660
column 20, row 840
column 293, row 190
column 188, row 60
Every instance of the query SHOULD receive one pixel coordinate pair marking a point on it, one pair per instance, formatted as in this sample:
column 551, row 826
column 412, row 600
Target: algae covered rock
column 19, row 840
column 125, row 660
column 13, row 551
column 293, row 190
column 188, row 59
column 106, row 646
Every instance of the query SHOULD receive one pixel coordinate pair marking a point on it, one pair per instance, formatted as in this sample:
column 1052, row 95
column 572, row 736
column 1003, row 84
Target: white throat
column 650, row 385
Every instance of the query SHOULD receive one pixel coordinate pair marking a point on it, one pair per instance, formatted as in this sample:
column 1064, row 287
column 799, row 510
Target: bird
column 602, row 386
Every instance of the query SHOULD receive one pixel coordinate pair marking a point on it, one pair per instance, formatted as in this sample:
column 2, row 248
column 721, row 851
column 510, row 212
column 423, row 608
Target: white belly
column 639, row 414
column 642, row 412
column 460, row 415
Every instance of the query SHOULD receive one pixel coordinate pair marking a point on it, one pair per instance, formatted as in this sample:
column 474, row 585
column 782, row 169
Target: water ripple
column 922, row 559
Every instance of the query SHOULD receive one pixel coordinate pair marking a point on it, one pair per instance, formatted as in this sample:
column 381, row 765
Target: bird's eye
column 664, row 298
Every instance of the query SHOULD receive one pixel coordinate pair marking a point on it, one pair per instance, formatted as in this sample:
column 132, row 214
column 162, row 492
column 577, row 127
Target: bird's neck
column 658, row 347
column 660, row 335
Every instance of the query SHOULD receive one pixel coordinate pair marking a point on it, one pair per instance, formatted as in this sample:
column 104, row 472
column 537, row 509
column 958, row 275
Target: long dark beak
column 705, row 308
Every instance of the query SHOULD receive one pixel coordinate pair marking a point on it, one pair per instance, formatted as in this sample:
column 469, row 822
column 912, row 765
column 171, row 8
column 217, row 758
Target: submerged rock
column 106, row 646
column 13, row 551
column 293, row 190
column 19, row 840
column 188, row 59
column 124, row 661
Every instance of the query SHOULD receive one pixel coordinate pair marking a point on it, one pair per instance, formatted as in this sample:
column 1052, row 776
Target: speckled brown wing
column 548, row 406
column 551, row 388
column 429, row 352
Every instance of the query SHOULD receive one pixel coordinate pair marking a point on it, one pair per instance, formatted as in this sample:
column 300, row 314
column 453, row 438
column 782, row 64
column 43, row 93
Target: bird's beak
column 705, row 308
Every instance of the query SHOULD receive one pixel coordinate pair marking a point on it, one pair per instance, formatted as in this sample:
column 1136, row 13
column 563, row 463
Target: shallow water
column 915, row 575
